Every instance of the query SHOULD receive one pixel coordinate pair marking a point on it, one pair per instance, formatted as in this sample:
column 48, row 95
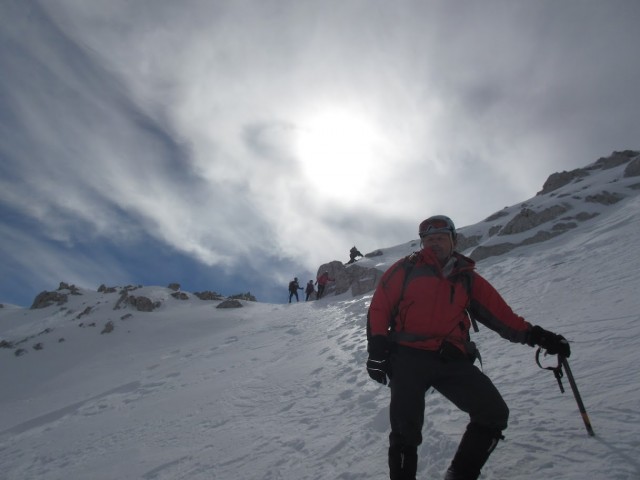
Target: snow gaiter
column 475, row 447
column 403, row 462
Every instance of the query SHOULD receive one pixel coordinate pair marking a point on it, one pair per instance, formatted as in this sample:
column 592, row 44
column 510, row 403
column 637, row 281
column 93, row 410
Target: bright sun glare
column 336, row 149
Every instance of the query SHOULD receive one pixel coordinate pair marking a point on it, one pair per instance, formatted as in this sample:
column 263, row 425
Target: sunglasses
column 435, row 225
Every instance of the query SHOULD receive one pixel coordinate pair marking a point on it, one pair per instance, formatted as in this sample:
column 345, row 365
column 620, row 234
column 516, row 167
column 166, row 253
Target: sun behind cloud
column 337, row 148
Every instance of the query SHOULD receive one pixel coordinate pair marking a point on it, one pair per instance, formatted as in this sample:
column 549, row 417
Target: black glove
column 378, row 366
column 553, row 343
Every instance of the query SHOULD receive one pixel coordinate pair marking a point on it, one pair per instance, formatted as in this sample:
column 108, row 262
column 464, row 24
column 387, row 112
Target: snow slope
column 280, row 391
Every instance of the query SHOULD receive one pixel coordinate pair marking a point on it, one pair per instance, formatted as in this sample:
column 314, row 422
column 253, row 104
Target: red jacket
column 324, row 279
column 432, row 307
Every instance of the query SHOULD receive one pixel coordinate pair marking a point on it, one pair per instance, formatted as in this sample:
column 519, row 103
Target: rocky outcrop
column 338, row 273
column 86, row 311
column 560, row 179
column 143, row 304
column 363, row 280
column 486, row 251
column 108, row 328
column 615, row 159
column 140, row 303
column 528, row 219
column 46, row 299
column 467, row 242
column 21, row 351
column 129, row 288
column 231, row 303
column 496, row 216
column 73, row 290
column 209, row 295
column 352, row 277
column 121, row 303
column 604, row 198
column 633, row 169
column 552, row 221
column 104, row 289
column 244, row 296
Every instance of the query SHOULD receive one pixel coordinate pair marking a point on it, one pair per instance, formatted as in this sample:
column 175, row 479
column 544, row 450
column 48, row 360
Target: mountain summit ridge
column 567, row 200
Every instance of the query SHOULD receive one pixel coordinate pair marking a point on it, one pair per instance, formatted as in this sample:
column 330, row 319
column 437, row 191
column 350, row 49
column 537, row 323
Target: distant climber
column 322, row 283
column 353, row 253
column 310, row 290
column 293, row 289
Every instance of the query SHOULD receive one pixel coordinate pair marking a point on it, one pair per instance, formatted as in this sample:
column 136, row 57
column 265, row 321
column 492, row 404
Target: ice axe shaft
column 558, row 372
column 574, row 388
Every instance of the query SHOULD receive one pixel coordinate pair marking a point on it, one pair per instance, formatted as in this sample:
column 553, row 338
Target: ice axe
column 557, row 371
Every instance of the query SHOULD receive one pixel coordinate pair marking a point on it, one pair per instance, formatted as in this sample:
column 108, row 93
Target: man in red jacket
column 418, row 334
column 322, row 283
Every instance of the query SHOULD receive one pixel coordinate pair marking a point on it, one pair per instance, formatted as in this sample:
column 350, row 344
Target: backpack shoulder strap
column 407, row 265
column 467, row 280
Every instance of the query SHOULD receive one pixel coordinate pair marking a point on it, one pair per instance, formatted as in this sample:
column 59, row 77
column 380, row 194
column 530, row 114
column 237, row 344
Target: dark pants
column 320, row 291
column 292, row 293
column 414, row 371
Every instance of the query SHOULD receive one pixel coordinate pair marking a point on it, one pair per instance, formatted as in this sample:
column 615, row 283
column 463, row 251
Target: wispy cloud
column 182, row 123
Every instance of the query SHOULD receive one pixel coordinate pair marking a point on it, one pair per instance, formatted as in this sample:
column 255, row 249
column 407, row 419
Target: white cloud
column 184, row 120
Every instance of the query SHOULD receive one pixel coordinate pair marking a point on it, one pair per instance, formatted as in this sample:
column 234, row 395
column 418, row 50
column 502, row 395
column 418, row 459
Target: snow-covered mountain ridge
column 567, row 200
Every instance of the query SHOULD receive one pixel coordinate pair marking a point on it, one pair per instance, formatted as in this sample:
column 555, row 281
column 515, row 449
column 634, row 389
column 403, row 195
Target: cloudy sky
column 155, row 141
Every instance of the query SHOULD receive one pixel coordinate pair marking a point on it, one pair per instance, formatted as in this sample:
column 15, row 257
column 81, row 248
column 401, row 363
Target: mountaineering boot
column 403, row 462
column 475, row 447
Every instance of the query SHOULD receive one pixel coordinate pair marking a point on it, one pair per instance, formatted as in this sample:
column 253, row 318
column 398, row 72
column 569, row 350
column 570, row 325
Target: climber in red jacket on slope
column 418, row 334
